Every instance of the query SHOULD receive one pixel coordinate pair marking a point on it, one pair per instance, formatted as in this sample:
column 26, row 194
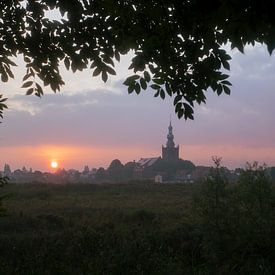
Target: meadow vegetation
column 212, row 227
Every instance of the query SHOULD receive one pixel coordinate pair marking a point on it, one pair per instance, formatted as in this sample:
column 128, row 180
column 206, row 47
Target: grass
column 99, row 229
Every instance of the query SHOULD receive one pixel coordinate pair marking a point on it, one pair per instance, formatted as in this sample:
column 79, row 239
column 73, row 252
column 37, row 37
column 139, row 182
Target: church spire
column 170, row 152
column 170, row 137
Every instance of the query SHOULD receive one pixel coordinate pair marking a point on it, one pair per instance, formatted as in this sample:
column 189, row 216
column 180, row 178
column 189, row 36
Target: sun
column 54, row 164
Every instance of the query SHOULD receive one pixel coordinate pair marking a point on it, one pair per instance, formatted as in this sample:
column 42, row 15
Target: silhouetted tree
column 128, row 170
column 100, row 174
column 3, row 181
column 177, row 46
column 115, row 170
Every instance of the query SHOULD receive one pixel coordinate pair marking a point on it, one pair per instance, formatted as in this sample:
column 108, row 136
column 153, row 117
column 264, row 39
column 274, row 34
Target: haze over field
column 92, row 123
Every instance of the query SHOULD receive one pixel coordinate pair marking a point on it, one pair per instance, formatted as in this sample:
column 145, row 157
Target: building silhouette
column 170, row 152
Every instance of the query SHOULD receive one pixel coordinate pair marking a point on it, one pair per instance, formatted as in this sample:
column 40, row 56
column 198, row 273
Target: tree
column 3, row 181
column 177, row 45
column 100, row 174
column 115, row 170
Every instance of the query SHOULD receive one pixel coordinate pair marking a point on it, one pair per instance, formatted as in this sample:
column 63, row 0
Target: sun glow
column 54, row 164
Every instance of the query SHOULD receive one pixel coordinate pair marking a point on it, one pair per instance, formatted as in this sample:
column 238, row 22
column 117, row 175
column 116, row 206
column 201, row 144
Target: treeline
column 118, row 172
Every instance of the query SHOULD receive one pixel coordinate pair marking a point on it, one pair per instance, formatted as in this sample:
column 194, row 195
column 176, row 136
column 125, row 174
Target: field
column 93, row 229
column 134, row 228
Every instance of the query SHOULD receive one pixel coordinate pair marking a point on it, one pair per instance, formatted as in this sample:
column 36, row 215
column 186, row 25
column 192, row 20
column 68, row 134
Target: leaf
column 226, row 65
column 155, row 86
column 27, row 84
column 226, row 82
column 2, row 99
column 117, row 56
column 162, row 94
column 158, row 81
column 110, row 70
column 4, row 76
column 27, row 59
column 67, row 63
column 137, row 88
column 156, row 94
column 11, row 62
column 180, row 113
column 178, row 107
column 143, row 83
column 219, row 89
column 131, row 79
column 226, row 90
column 104, row 76
column 147, row 76
column 30, row 91
column 39, row 89
column 168, row 89
column 270, row 48
column 177, row 99
column 223, row 76
column 188, row 110
column 96, row 72
column 27, row 76
column 131, row 88
column 9, row 72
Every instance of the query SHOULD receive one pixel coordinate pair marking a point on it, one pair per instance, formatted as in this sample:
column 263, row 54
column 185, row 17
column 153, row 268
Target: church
column 170, row 152
column 169, row 167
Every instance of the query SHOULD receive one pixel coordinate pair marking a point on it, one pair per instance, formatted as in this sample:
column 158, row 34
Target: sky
column 91, row 123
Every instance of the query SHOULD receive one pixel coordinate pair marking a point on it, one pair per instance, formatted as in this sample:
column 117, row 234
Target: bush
column 236, row 222
column 3, row 181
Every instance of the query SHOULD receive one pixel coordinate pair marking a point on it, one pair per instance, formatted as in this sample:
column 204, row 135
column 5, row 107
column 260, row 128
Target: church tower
column 170, row 152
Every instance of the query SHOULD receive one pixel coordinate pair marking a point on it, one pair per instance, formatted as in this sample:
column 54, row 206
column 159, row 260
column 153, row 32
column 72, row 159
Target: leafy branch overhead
column 177, row 45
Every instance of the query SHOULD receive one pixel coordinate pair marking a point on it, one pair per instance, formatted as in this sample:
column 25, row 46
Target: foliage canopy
column 177, row 45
